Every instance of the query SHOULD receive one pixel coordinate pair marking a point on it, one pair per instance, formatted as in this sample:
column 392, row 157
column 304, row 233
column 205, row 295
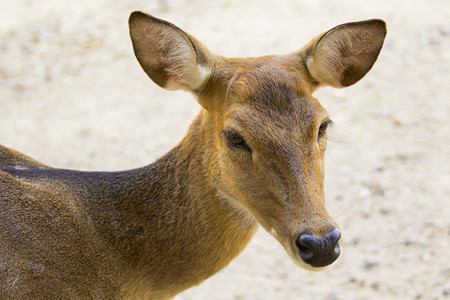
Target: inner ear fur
column 343, row 55
column 171, row 58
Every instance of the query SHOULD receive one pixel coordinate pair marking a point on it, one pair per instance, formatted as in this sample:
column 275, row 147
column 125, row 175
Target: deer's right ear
column 171, row 58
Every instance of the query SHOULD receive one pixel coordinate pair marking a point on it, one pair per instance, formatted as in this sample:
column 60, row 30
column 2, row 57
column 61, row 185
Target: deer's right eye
column 234, row 139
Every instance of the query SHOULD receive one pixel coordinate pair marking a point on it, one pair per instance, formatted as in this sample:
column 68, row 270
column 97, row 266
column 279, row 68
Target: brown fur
column 153, row 232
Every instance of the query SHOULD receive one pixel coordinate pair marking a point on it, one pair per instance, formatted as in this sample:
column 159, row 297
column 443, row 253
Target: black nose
column 319, row 252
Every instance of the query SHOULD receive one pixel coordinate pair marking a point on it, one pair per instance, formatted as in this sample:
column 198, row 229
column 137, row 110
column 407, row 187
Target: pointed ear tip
column 381, row 24
column 136, row 16
column 379, row 21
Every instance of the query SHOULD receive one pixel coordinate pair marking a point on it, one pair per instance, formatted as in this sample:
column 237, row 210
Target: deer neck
column 174, row 206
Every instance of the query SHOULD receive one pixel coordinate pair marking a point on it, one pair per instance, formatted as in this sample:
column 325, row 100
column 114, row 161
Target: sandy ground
column 72, row 95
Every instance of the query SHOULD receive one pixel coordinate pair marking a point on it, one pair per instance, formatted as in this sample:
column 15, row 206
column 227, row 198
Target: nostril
column 305, row 251
column 306, row 245
column 334, row 237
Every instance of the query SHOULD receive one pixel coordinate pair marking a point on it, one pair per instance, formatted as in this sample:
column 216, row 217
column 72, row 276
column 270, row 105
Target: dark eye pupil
column 322, row 129
column 235, row 140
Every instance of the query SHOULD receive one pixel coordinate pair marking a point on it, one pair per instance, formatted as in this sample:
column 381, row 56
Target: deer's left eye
column 323, row 129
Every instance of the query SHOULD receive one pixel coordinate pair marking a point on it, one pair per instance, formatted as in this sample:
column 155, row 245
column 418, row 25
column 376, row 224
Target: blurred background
column 72, row 95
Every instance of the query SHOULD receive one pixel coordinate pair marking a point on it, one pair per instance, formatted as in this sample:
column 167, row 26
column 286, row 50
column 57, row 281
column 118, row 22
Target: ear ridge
column 343, row 55
column 171, row 58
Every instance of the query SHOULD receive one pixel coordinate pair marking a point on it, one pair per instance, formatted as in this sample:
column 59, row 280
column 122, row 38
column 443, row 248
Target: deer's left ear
column 343, row 55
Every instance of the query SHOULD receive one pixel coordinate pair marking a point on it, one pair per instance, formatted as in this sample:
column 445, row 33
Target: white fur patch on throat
column 238, row 210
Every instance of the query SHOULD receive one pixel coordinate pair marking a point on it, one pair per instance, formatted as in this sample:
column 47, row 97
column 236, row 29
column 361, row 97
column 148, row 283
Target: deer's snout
column 319, row 252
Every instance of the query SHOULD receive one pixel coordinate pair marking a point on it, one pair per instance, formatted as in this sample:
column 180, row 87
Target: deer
column 254, row 156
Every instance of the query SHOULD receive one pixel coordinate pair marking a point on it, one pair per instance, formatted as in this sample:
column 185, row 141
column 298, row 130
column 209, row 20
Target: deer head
column 264, row 135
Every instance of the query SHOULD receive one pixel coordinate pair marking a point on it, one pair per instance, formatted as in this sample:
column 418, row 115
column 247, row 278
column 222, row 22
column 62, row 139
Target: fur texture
column 254, row 154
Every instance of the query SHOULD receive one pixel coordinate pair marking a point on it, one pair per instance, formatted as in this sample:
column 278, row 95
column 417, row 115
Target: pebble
column 426, row 256
column 368, row 265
